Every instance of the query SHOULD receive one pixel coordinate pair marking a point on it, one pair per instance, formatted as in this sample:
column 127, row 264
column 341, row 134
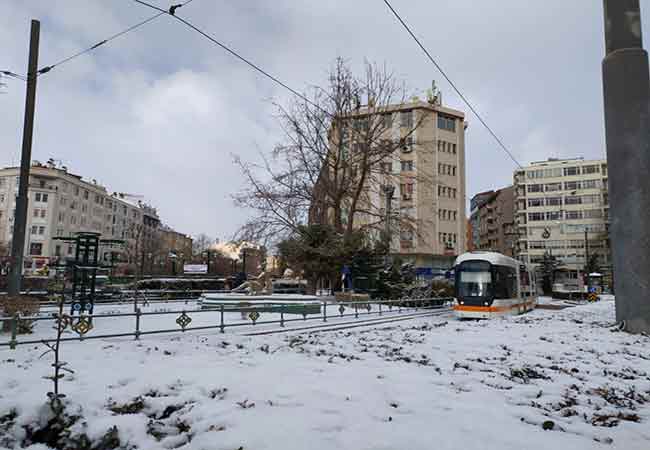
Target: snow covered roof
column 491, row 257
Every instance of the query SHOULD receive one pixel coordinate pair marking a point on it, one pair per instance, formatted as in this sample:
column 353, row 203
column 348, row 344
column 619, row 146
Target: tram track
column 352, row 323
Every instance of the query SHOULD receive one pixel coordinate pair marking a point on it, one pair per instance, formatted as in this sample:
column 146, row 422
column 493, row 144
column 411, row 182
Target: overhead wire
column 47, row 68
column 452, row 84
column 235, row 54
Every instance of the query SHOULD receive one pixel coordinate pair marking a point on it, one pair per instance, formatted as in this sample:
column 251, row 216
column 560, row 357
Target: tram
column 490, row 284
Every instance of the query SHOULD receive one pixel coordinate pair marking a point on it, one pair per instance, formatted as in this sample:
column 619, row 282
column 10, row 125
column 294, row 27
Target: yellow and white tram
column 490, row 284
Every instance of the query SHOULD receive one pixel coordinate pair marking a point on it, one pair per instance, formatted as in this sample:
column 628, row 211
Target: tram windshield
column 474, row 279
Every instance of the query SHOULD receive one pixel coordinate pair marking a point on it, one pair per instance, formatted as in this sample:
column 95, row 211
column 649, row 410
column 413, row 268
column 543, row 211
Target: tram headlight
column 485, row 303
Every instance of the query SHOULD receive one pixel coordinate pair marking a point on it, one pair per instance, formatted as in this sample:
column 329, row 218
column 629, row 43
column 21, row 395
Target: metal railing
column 82, row 324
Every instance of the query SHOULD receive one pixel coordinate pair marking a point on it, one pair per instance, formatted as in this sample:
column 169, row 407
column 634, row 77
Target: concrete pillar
column 626, row 88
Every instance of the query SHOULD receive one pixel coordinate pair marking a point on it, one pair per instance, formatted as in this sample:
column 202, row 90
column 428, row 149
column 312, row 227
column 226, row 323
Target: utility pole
column 626, row 88
column 389, row 190
column 586, row 252
column 20, row 219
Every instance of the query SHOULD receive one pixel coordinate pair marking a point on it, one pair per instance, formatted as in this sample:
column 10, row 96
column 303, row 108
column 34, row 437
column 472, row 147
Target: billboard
column 195, row 268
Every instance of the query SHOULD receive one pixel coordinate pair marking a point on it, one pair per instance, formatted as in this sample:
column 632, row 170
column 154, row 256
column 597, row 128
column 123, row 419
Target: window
column 386, row 167
column 573, row 200
column 532, row 202
column 37, row 197
column 535, row 216
column 453, row 148
column 2, row 198
column 552, row 173
column 85, row 195
column 590, row 199
column 406, row 119
column 553, row 187
column 35, row 248
column 570, row 171
column 406, row 167
column 407, row 145
column 44, row 198
column 593, row 214
column 446, row 123
column 554, row 215
column 571, row 185
column 69, row 249
column 64, row 201
column 590, row 184
column 535, row 188
column 34, row 229
column 590, row 169
column 406, row 191
column 554, row 201
column 387, row 120
column 61, row 217
column 84, row 208
column 35, row 212
column 505, row 282
column 573, row 215
column 453, row 171
column 41, row 230
column 57, row 250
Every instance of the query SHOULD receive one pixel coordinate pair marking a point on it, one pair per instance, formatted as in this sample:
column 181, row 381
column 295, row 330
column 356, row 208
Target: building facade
column 562, row 209
column 426, row 175
column 492, row 221
column 61, row 204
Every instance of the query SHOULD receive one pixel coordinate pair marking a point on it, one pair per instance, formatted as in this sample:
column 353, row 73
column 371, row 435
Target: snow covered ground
column 421, row 384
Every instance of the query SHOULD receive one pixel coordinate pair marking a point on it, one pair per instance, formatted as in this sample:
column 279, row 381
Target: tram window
column 474, row 279
column 505, row 282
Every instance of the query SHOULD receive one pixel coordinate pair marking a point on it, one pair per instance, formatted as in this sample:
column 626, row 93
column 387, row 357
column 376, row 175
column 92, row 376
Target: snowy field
column 421, row 384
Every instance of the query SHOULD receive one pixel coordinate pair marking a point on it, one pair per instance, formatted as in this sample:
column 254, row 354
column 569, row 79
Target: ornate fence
column 83, row 325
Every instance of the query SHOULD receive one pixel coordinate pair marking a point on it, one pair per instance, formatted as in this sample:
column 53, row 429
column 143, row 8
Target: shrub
column 23, row 305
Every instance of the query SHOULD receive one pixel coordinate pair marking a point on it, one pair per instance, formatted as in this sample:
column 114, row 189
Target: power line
column 8, row 73
column 234, row 53
column 469, row 105
column 46, row 69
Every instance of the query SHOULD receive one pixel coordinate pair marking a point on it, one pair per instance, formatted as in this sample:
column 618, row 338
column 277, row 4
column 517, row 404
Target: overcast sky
column 160, row 111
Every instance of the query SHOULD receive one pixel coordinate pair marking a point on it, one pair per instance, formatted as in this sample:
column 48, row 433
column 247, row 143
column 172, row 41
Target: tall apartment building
column 61, row 204
column 492, row 221
column 556, row 202
column 427, row 175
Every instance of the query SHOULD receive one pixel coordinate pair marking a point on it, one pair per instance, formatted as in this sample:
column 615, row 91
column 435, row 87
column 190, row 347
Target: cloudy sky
column 160, row 111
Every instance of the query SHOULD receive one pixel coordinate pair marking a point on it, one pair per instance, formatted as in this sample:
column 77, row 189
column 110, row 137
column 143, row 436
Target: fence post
column 221, row 324
column 137, row 324
column 14, row 332
column 399, row 307
column 356, row 311
column 282, row 315
column 380, row 307
column 324, row 311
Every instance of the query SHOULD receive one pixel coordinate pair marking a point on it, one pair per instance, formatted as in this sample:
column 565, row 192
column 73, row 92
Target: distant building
column 492, row 221
column 175, row 250
column 61, row 204
column 427, row 174
column 562, row 209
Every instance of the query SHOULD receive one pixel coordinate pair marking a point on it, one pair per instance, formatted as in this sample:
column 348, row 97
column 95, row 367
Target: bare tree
column 201, row 243
column 338, row 151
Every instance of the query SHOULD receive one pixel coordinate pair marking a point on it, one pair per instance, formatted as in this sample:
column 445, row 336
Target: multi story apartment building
column 426, row 174
column 562, row 208
column 61, row 204
column 492, row 221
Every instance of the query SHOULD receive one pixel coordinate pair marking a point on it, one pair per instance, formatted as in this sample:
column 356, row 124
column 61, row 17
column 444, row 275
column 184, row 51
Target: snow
column 427, row 383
